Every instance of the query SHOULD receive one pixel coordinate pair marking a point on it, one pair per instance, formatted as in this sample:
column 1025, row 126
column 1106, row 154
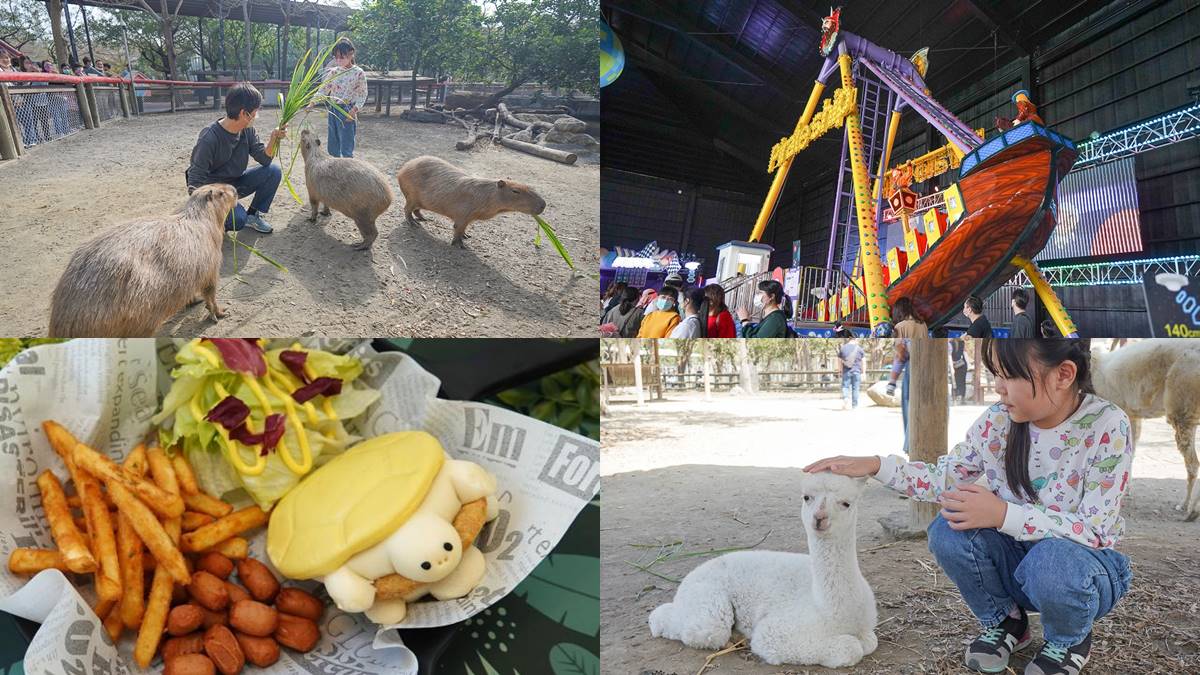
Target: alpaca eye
column 807, row 498
column 845, row 505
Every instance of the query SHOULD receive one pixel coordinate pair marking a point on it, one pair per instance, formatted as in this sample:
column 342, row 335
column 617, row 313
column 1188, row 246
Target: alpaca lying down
column 806, row 609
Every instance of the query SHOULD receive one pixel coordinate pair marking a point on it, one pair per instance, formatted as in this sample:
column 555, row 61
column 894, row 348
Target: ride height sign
column 1173, row 303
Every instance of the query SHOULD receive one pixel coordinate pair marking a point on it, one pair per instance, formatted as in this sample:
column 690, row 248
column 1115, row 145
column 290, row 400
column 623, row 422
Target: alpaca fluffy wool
column 797, row 608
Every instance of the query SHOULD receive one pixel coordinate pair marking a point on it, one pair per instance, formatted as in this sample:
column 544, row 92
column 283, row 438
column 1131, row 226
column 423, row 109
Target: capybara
column 129, row 280
column 435, row 184
column 347, row 185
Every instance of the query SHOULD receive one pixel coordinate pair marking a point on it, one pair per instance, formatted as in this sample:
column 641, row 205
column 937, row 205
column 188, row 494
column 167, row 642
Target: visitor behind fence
column 662, row 320
column 1040, row 534
column 695, row 315
column 1022, row 325
column 774, row 321
column 223, row 151
column 625, row 316
column 720, row 321
column 346, row 84
column 958, row 362
column 850, row 355
column 980, row 326
column 908, row 328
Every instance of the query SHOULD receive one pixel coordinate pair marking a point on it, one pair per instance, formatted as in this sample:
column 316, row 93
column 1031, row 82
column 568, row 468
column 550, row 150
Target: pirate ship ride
column 966, row 240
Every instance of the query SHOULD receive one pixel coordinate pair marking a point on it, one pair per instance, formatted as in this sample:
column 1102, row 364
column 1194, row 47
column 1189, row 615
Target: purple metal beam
column 943, row 120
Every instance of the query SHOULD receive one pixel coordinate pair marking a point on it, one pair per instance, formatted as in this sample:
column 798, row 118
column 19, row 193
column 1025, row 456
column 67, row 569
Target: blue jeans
column 904, row 403
column 262, row 182
column 341, row 135
column 1070, row 584
column 850, row 382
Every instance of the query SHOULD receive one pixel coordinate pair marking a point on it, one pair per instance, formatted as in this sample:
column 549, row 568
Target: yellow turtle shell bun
column 352, row 503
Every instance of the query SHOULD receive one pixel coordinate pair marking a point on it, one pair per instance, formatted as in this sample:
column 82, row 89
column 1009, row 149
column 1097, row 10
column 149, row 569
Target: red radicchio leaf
column 295, row 362
column 328, row 386
column 272, row 431
column 241, row 354
column 230, row 413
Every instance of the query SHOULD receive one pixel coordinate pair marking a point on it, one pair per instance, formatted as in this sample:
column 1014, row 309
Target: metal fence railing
column 44, row 112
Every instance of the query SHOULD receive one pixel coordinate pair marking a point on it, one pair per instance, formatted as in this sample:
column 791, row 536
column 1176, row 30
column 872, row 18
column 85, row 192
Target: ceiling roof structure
column 710, row 85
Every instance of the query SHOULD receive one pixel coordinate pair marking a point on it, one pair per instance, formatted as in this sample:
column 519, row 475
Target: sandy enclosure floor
column 721, row 474
column 412, row 283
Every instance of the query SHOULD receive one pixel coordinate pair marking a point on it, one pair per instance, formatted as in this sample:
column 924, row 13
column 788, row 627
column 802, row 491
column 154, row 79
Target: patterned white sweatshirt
column 347, row 86
column 1080, row 470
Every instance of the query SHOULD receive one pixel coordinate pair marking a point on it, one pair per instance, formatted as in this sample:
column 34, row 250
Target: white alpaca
column 1157, row 378
column 794, row 608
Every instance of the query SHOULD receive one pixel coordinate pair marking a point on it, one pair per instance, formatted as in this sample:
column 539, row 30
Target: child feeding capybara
column 435, row 184
column 344, row 184
column 127, row 281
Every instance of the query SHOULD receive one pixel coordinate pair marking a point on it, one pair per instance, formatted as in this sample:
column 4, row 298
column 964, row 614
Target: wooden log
column 10, row 142
column 470, row 141
column 539, row 151
column 498, row 129
column 519, row 123
column 928, row 412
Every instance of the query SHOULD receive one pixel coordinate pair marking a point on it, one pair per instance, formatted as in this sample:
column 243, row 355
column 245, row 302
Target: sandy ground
column 412, row 283
column 719, row 474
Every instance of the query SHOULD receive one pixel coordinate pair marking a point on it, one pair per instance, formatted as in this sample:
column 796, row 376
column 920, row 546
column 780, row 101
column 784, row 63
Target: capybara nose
column 541, row 206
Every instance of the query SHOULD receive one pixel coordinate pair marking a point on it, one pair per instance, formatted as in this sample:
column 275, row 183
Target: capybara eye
column 448, row 546
column 426, row 565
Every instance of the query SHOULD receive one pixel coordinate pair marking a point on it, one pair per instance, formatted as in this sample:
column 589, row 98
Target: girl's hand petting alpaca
column 972, row 507
column 855, row 467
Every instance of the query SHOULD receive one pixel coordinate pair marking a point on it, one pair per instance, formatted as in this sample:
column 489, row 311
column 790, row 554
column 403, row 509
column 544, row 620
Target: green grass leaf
column 545, row 227
column 233, row 237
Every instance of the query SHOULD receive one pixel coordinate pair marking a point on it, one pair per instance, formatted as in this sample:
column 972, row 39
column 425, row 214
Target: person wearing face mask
column 774, row 322
column 660, row 322
column 675, row 281
column 695, row 313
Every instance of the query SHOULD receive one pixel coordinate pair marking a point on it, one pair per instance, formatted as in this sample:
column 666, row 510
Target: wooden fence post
column 9, row 141
column 90, row 90
column 85, row 111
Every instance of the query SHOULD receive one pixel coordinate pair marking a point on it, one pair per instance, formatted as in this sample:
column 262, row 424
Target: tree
column 551, row 42
column 424, row 35
column 21, row 22
column 166, row 15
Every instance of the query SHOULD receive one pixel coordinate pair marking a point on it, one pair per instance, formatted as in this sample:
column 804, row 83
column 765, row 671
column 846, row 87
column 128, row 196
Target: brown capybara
column 127, row 281
column 435, row 184
column 347, row 185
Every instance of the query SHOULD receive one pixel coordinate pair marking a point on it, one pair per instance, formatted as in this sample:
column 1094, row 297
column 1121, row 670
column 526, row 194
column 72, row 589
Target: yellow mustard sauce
column 285, row 453
column 235, row 454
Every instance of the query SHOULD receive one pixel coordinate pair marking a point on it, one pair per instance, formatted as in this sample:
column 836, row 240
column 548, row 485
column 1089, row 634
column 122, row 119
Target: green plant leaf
column 554, row 240
column 566, row 588
column 233, row 237
column 518, row 398
column 543, row 411
column 567, row 658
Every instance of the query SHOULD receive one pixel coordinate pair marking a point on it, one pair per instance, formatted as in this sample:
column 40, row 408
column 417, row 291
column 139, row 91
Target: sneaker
column 989, row 653
column 256, row 221
column 1055, row 661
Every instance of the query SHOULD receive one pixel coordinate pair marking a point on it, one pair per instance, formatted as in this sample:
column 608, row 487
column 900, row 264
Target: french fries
column 164, row 503
column 150, row 502
column 34, row 560
column 75, row 554
column 129, row 552
column 202, row 503
column 154, row 619
column 183, row 472
column 224, row 528
column 193, row 520
column 104, row 543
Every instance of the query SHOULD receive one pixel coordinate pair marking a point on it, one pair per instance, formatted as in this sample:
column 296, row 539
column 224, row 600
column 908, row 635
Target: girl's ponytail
column 1014, row 358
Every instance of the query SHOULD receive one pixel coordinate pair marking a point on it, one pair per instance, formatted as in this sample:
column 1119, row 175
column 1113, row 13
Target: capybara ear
column 501, row 184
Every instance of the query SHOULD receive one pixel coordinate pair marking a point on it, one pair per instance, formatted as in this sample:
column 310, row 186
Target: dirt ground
column 719, row 474
column 412, row 283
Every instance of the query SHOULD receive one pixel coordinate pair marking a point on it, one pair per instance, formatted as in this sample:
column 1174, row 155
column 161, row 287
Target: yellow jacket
column 659, row 324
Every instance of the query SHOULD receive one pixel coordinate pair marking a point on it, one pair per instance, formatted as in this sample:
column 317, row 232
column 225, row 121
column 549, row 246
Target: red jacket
column 721, row 325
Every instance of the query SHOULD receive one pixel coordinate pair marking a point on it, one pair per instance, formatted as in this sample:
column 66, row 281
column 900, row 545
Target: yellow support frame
column 1049, row 298
column 878, row 309
column 781, row 173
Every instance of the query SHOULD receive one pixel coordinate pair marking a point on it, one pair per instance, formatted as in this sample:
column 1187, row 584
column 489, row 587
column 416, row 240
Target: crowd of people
column 44, row 116
column 679, row 311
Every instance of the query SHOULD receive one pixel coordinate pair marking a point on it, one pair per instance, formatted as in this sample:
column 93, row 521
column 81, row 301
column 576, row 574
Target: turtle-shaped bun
column 352, row 503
